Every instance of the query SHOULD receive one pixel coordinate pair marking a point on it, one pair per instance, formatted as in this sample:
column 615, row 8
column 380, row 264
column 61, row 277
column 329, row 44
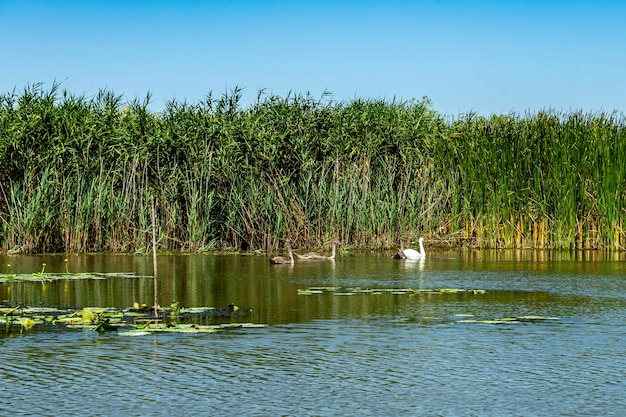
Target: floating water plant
column 41, row 274
column 394, row 291
column 27, row 323
column 189, row 328
column 173, row 319
column 509, row 320
column 49, row 276
column 461, row 318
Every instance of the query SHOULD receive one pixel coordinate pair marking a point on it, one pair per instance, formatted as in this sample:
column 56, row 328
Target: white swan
column 315, row 256
column 411, row 253
column 281, row 259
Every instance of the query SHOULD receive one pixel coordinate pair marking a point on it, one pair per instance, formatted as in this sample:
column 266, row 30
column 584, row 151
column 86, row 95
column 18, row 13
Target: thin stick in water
column 154, row 260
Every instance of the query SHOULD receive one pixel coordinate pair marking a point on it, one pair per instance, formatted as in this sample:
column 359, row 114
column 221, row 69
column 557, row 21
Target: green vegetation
column 77, row 174
column 138, row 320
column 51, row 276
column 132, row 321
column 428, row 294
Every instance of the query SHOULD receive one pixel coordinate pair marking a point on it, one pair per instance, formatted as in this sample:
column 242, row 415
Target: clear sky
column 482, row 56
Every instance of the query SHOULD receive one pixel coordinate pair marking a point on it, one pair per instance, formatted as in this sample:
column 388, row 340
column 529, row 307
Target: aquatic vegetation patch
column 510, row 320
column 51, row 276
column 377, row 291
column 460, row 318
column 138, row 320
column 188, row 328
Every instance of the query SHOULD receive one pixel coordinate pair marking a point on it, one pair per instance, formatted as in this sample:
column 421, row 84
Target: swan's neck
column 332, row 254
column 422, row 251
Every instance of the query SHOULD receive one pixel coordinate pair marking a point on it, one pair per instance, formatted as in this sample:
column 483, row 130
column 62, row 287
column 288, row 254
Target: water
column 327, row 355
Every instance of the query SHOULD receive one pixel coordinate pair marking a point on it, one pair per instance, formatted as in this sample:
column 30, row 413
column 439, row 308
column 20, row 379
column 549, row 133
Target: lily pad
column 110, row 319
column 50, row 276
column 536, row 318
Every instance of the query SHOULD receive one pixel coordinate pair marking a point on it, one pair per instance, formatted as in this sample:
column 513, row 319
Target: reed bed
column 77, row 174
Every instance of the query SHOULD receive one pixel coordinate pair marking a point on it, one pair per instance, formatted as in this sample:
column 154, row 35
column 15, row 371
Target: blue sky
column 481, row 56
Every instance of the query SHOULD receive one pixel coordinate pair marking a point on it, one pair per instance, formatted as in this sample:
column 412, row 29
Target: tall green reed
column 78, row 173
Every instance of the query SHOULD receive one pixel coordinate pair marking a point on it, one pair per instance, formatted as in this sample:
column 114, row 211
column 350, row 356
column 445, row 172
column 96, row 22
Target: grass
column 77, row 174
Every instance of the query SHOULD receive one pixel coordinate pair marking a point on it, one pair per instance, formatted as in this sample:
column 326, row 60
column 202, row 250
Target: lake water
column 344, row 349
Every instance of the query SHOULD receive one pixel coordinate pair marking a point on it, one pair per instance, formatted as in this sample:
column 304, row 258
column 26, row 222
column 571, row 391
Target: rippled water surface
column 342, row 352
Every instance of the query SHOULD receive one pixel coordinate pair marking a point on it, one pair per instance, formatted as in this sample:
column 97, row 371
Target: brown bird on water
column 281, row 259
column 315, row 256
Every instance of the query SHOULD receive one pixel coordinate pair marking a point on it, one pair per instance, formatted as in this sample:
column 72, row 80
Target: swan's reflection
column 414, row 264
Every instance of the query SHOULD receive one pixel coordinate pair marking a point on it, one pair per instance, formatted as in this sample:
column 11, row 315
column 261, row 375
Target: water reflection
column 348, row 349
column 542, row 255
column 515, row 283
column 417, row 264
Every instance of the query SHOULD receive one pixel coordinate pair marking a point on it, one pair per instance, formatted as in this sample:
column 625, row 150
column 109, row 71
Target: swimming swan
column 410, row 253
column 315, row 256
column 281, row 259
